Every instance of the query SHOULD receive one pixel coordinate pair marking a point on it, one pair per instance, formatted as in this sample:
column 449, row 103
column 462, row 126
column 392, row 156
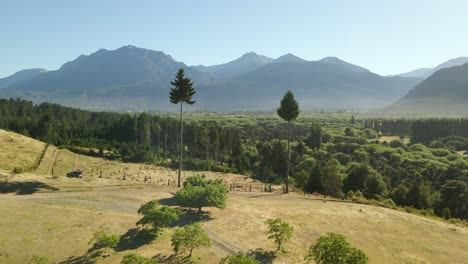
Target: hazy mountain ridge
column 131, row 78
column 426, row 72
column 445, row 91
column 317, row 84
column 20, row 76
column 247, row 62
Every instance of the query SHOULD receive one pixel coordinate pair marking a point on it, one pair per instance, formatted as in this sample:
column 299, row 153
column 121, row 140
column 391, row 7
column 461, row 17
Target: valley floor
column 58, row 217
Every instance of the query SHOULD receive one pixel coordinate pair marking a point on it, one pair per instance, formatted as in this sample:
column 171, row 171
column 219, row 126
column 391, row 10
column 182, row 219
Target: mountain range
column 20, row 76
column 426, row 72
column 131, row 78
column 445, row 92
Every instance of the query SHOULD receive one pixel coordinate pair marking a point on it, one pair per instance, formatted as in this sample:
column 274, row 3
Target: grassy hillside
column 18, row 151
column 59, row 216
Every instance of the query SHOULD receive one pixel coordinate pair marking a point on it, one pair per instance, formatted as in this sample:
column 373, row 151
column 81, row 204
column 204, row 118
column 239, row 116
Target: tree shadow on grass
column 188, row 216
column 24, row 188
column 135, row 238
column 263, row 256
column 89, row 258
column 171, row 201
column 179, row 259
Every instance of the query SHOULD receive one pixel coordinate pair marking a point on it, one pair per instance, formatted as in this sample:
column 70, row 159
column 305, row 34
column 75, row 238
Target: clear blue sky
column 385, row 36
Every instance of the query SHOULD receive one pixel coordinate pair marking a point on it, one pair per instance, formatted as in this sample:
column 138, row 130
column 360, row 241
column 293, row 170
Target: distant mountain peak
column 333, row 60
column 20, row 76
column 289, row 57
column 250, row 54
column 347, row 65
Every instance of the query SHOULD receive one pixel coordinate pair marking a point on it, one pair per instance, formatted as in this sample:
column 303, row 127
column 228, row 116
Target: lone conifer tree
column 181, row 92
column 288, row 111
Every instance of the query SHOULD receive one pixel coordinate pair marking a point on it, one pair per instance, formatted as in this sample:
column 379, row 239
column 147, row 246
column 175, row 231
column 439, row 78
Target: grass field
column 18, row 151
column 54, row 216
column 60, row 223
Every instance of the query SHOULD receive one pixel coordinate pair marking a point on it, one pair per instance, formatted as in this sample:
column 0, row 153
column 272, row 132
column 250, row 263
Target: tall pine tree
column 181, row 92
column 288, row 111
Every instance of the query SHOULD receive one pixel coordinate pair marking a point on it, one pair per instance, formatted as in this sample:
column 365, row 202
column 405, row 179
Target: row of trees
column 420, row 130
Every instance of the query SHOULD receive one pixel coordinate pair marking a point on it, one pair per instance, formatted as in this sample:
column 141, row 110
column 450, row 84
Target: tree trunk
column 289, row 156
column 199, row 209
column 190, row 254
column 181, row 143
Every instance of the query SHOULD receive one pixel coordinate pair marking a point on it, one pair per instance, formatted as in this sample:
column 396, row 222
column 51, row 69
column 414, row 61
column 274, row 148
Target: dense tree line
column 420, row 130
column 343, row 160
column 133, row 137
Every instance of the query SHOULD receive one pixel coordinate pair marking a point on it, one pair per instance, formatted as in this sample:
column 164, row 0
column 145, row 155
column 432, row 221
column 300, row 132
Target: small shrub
column 17, row 170
column 239, row 259
column 279, row 230
column 446, row 213
column 358, row 194
column 190, row 237
column 334, row 249
column 389, row 202
column 103, row 240
column 350, row 195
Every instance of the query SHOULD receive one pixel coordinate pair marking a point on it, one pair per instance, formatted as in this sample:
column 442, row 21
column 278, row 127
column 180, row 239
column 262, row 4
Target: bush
column 350, row 195
column 137, row 259
column 190, row 237
column 389, row 202
column 358, row 194
column 239, row 259
column 157, row 217
column 396, row 144
column 103, row 240
column 17, row 170
column 446, row 213
column 334, row 249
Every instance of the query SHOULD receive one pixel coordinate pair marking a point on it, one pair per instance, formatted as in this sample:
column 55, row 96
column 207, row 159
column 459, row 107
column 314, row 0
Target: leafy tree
column 157, row 217
column 334, row 249
column 181, row 92
column 288, row 111
column 279, row 230
column 315, row 181
column 349, row 132
column 104, row 240
column 332, row 179
column 455, row 197
column 137, row 259
column 198, row 193
column 314, row 140
column 190, row 237
column 239, row 259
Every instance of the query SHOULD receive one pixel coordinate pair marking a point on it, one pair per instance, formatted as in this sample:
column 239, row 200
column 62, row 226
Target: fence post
column 250, row 190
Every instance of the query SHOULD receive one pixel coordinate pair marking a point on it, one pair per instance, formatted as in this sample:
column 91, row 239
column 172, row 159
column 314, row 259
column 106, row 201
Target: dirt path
column 50, row 170
column 222, row 247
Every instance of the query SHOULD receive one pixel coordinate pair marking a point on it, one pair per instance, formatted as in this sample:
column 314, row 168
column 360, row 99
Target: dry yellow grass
column 60, row 224
column 18, row 151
